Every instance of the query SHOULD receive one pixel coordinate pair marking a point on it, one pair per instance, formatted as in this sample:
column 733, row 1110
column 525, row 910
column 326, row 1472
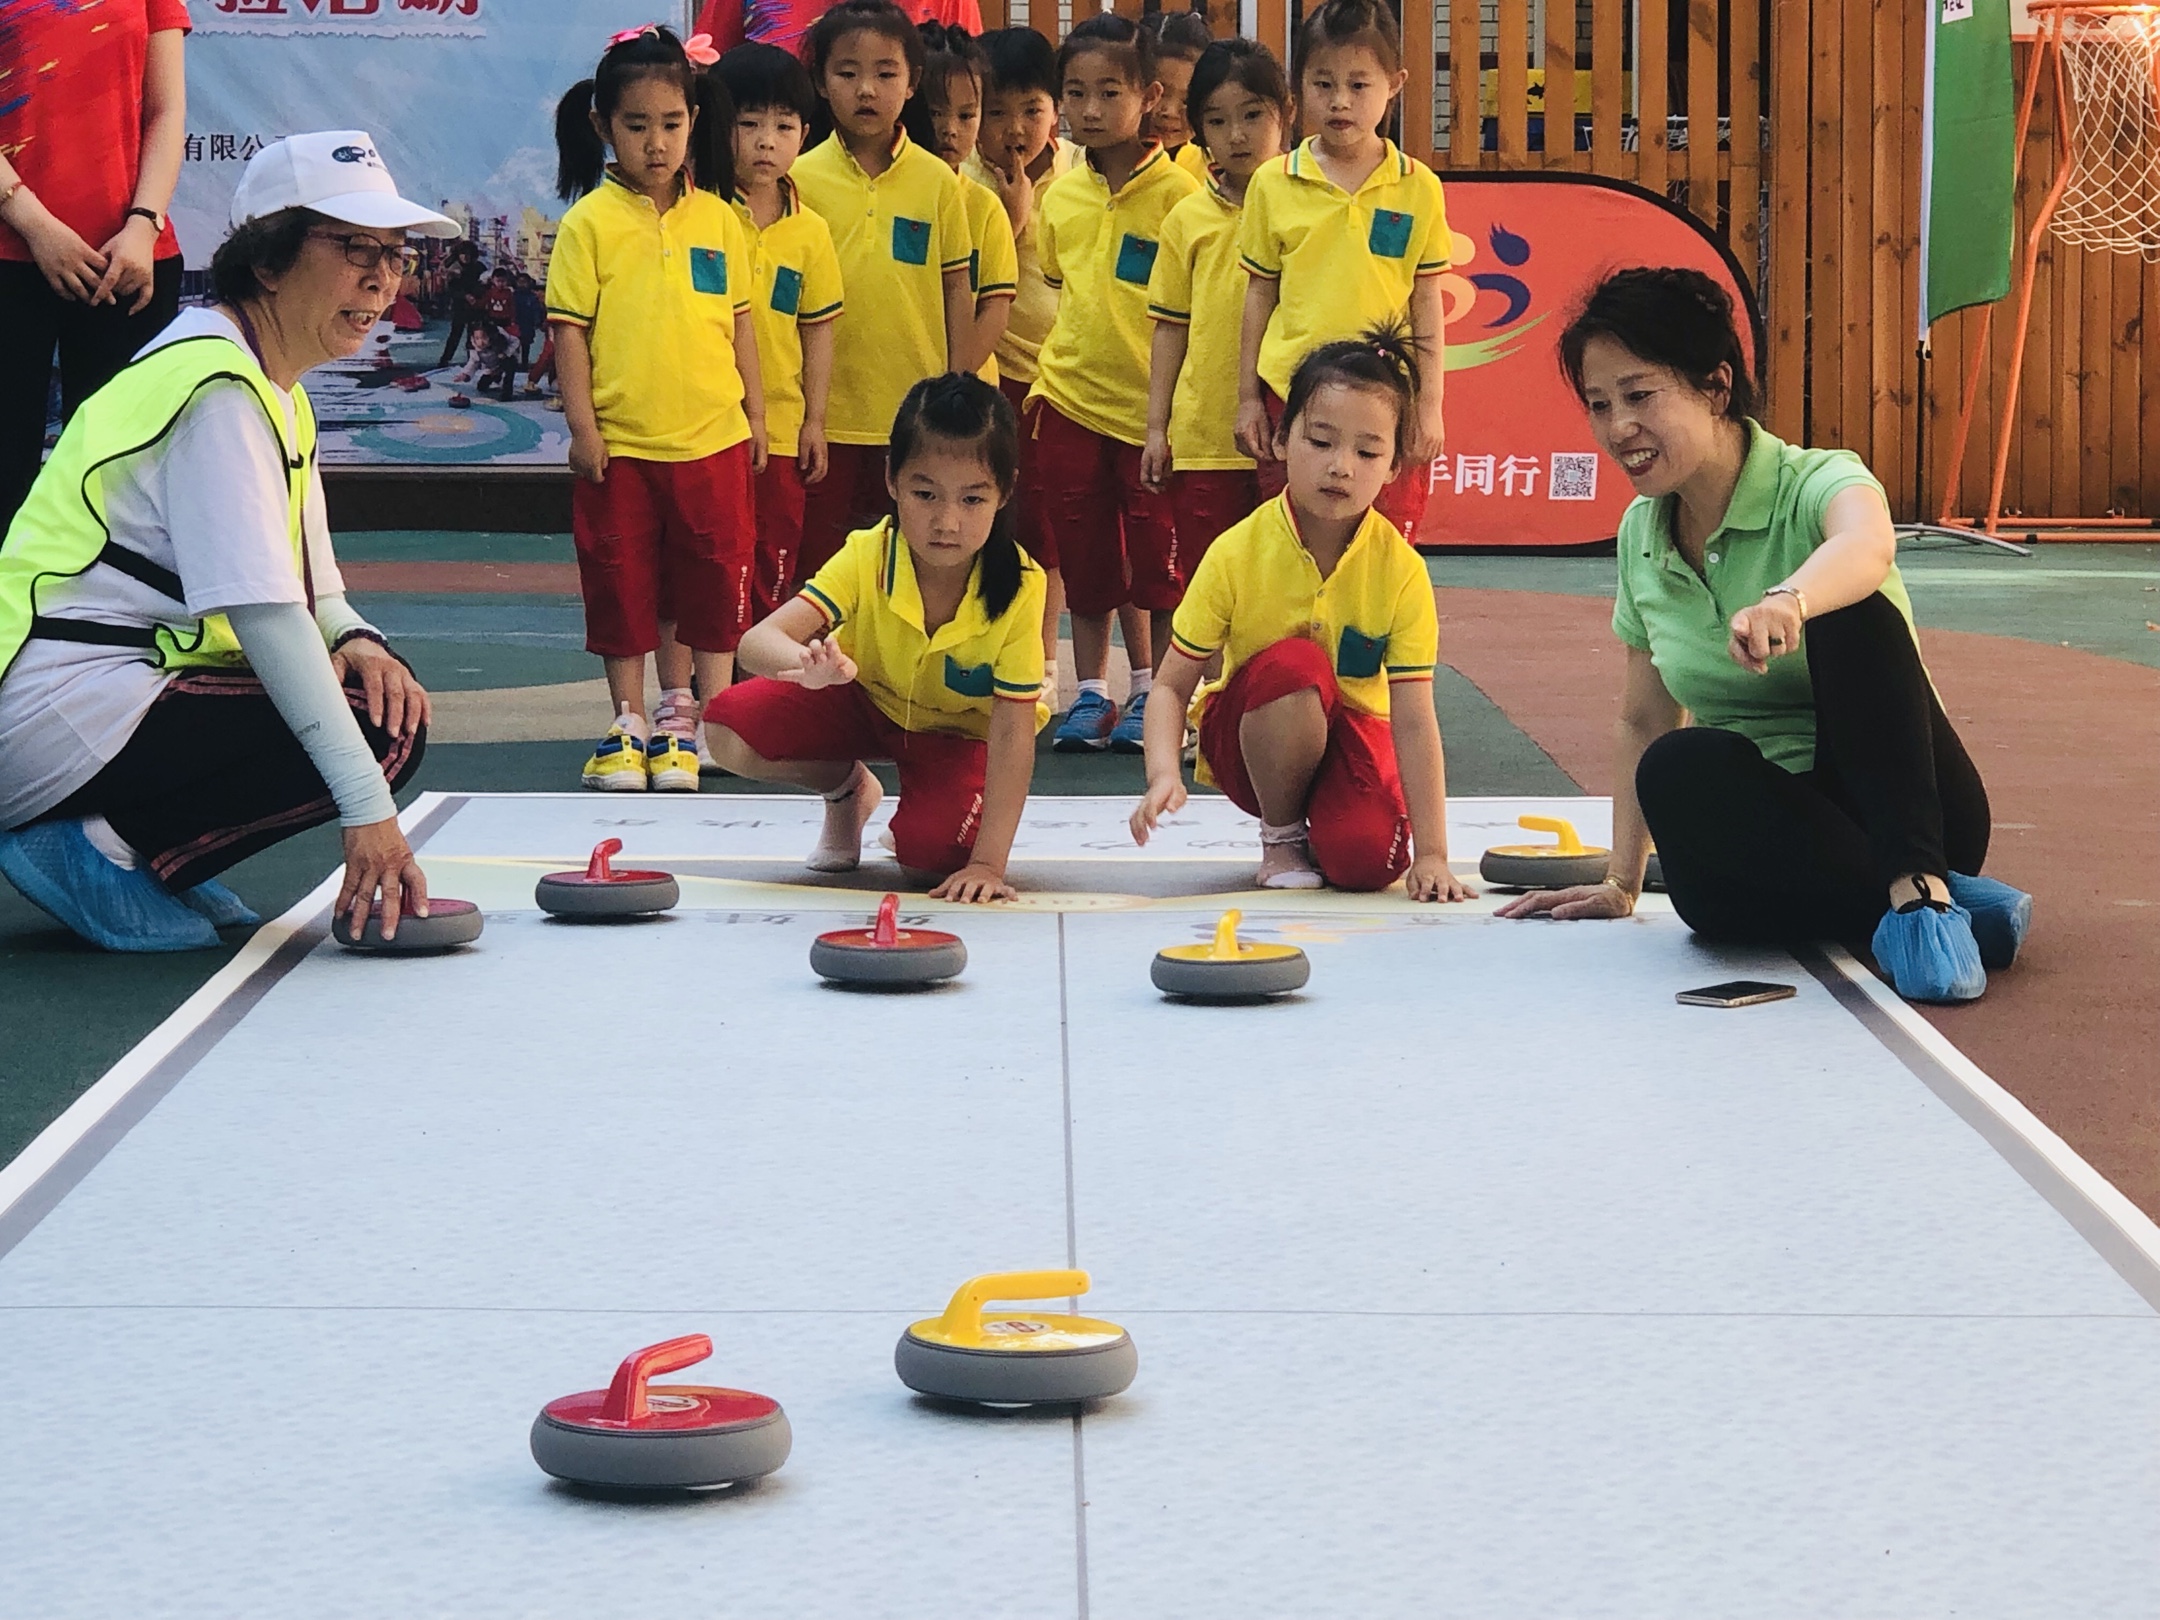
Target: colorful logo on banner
column 1521, row 468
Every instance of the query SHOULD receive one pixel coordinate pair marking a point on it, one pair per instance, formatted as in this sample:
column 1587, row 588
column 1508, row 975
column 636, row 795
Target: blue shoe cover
column 2001, row 917
column 1930, row 955
column 61, row 873
column 223, row 908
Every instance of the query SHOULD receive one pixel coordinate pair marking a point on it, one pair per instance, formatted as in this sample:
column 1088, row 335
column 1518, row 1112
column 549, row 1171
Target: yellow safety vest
column 61, row 530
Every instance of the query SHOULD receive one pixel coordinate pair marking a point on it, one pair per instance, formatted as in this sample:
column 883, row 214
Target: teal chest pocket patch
column 1136, row 259
column 708, row 270
column 911, row 241
column 1390, row 234
column 969, row 680
column 786, row 291
column 1358, row 655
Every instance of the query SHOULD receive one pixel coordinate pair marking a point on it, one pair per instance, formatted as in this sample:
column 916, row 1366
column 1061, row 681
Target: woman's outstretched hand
column 1587, row 900
column 1770, row 629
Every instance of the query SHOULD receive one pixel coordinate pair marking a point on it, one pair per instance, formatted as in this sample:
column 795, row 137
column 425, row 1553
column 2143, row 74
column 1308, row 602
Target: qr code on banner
column 1573, row 477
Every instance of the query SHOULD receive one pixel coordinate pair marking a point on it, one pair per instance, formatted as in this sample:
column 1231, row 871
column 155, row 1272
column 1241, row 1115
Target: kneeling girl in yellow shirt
column 1323, row 615
column 920, row 643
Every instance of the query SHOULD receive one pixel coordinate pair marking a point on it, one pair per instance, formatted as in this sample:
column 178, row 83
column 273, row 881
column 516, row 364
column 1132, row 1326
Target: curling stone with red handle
column 887, row 955
column 601, row 891
column 1015, row 1358
column 635, row 1435
column 448, row 924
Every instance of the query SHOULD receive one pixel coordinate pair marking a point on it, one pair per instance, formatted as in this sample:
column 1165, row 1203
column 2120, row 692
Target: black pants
column 94, row 342
column 213, row 774
column 460, row 321
column 1756, row 854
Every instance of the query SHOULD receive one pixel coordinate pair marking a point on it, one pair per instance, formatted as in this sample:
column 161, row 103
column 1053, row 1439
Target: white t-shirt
column 208, row 502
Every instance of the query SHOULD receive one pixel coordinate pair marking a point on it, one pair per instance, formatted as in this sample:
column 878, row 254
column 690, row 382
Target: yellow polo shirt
column 1200, row 285
column 1035, row 302
column 658, row 294
column 942, row 682
column 896, row 235
column 1345, row 262
column 994, row 264
column 1258, row 584
column 795, row 282
column 1099, row 250
column 1193, row 159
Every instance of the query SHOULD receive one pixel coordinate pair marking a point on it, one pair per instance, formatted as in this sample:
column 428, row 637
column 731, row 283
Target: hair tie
column 701, row 50
column 628, row 34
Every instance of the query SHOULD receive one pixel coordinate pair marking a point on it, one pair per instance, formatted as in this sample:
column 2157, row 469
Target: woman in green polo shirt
column 1820, row 792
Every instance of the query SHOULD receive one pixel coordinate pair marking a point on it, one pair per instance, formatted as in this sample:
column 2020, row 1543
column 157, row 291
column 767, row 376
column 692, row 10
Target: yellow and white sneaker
column 671, row 763
column 618, row 764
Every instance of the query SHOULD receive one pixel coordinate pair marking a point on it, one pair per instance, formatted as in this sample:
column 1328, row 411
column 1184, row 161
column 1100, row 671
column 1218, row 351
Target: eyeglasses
column 365, row 253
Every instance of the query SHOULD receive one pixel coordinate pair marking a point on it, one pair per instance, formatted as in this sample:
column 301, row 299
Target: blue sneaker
column 2001, row 917
column 1931, row 955
column 1087, row 725
column 59, row 871
column 223, row 908
column 1129, row 735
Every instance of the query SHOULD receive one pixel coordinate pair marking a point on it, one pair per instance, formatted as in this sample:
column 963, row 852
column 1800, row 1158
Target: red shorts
column 1116, row 541
column 941, row 776
column 1359, row 829
column 665, row 542
column 850, row 496
column 1402, row 502
column 1206, row 504
column 780, row 496
column 1034, row 534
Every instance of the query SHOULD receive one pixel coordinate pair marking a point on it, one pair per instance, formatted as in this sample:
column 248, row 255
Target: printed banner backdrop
column 460, row 97
column 1521, row 468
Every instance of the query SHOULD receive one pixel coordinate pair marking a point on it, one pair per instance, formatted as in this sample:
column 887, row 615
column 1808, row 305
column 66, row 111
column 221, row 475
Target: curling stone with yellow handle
column 1560, row 865
column 1016, row 1358
column 1229, row 969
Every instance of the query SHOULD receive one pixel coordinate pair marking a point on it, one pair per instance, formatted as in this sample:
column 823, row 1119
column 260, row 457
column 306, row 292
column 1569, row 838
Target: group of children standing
column 869, row 425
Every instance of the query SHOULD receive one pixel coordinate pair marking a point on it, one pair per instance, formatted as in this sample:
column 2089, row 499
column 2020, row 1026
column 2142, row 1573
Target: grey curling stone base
column 1543, row 871
column 582, row 899
column 1653, row 878
column 449, row 925
column 661, row 1459
column 1229, row 981
column 1015, row 1377
column 868, row 964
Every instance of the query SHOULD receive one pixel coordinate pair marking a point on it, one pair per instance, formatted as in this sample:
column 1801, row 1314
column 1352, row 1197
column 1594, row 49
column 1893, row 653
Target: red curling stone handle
column 887, row 931
column 597, row 870
column 626, row 1395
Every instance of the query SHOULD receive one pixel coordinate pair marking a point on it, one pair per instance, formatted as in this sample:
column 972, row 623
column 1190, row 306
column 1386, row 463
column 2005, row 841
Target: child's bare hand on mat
column 973, row 884
column 1430, row 878
column 1164, row 798
column 823, row 664
column 1588, row 900
column 379, row 861
column 1254, row 437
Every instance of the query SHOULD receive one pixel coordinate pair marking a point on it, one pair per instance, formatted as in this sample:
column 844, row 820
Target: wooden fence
column 1793, row 129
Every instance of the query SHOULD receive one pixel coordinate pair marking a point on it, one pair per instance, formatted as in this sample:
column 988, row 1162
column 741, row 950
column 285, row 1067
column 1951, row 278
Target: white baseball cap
column 335, row 172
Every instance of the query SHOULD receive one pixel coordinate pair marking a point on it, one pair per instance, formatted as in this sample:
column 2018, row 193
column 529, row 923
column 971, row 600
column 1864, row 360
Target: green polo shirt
column 1683, row 619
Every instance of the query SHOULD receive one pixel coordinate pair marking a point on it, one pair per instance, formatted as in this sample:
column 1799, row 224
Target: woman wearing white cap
column 182, row 682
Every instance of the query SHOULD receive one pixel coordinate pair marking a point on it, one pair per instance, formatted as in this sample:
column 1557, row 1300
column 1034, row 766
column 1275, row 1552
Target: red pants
column 1359, row 829
column 1402, row 502
column 1205, row 504
column 941, row 776
column 850, row 496
column 1116, row 541
column 1033, row 532
column 780, row 497
column 665, row 541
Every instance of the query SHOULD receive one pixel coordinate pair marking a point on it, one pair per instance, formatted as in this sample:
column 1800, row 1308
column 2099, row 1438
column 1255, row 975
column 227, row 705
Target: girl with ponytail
column 1322, row 724
column 649, row 298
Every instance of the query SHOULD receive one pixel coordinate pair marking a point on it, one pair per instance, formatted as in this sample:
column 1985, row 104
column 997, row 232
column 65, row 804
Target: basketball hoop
column 2104, row 61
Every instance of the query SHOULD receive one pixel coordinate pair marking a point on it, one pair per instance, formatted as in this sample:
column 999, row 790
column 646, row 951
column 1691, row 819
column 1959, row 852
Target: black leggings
column 1754, row 853
column 94, row 343
column 213, row 774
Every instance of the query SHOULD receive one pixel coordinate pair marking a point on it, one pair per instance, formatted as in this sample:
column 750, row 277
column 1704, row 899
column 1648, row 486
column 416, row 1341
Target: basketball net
column 2111, row 199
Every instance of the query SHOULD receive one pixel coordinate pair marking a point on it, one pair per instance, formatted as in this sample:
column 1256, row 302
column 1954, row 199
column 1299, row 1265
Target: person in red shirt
column 784, row 22
column 92, row 128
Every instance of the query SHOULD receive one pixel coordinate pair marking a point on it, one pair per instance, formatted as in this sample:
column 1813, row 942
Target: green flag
column 1967, row 157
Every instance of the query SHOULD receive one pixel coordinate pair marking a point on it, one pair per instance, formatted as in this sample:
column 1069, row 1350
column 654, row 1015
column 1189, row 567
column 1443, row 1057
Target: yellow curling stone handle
column 1227, row 947
column 963, row 1314
column 1569, row 842
column 963, row 1325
